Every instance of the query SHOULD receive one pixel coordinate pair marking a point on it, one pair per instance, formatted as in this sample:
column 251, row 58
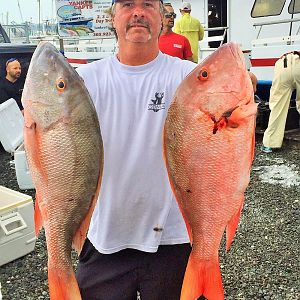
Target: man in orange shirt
column 170, row 42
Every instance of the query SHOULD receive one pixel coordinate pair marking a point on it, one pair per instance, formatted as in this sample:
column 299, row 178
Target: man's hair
column 111, row 12
column 11, row 60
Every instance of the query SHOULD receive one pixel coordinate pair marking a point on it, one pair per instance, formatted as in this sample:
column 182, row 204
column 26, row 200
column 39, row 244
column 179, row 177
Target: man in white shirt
column 137, row 241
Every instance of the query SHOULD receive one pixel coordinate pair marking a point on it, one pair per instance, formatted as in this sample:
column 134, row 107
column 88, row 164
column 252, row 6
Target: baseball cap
column 185, row 6
column 114, row 1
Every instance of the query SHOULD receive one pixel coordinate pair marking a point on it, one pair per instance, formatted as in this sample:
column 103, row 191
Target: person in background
column 12, row 85
column 170, row 42
column 137, row 240
column 190, row 27
column 286, row 79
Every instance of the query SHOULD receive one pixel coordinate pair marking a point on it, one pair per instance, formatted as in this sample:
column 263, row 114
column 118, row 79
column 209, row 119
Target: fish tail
column 232, row 226
column 202, row 277
column 63, row 285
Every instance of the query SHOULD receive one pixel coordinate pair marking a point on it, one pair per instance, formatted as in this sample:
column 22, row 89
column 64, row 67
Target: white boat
column 265, row 29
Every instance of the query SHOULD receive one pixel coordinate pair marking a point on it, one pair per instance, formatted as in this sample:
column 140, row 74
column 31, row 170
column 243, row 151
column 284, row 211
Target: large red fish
column 65, row 154
column 208, row 148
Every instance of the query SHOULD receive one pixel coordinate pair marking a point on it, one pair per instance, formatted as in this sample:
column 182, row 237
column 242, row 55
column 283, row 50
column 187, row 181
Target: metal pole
column 291, row 25
column 39, row 1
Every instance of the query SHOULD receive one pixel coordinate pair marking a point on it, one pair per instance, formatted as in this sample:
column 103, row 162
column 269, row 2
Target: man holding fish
column 137, row 239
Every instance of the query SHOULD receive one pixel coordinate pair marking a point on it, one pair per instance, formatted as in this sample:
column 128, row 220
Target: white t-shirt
column 136, row 207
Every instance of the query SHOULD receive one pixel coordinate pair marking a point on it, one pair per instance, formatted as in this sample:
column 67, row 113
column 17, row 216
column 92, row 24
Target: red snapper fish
column 65, row 155
column 209, row 148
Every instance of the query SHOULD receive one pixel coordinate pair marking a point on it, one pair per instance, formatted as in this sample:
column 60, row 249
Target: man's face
column 13, row 69
column 169, row 17
column 137, row 21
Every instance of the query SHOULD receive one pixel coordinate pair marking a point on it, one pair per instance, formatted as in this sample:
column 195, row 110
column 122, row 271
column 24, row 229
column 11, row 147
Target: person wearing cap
column 190, row 27
column 12, row 85
column 137, row 240
column 170, row 42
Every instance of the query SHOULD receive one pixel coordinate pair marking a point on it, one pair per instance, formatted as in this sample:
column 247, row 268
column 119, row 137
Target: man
column 286, row 79
column 12, row 86
column 191, row 28
column 137, row 240
column 170, row 42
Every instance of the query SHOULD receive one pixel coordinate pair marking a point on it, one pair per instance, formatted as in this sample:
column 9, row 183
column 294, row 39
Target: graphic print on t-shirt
column 157, row 103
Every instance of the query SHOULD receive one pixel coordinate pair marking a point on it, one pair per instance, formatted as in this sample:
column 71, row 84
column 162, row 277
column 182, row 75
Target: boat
column 75, row 19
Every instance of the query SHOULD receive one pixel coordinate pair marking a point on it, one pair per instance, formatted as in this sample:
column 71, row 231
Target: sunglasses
column 170, row 15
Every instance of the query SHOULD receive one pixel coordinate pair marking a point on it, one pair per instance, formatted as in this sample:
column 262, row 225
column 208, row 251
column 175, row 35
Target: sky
column 29, row 10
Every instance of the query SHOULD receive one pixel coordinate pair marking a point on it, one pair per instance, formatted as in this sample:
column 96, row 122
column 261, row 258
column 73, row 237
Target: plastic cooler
column 17, row 233
column 11, row 138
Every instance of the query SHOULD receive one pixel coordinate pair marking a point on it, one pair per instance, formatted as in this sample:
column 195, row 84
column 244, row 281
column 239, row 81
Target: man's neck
column 136, row 54
column 11, row 79
column 167, row 30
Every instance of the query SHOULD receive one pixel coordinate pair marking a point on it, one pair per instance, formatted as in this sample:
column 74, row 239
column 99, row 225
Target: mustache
column 138, row 21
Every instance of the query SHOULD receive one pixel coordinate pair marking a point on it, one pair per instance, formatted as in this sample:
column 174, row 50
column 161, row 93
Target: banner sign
column 84, row 18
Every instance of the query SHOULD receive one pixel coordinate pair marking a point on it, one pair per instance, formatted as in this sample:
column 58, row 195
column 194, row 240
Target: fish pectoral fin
column 241, row 113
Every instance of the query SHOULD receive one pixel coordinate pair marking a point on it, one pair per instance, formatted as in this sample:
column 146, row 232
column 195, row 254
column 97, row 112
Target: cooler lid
column 10, row 199
column 11, row 125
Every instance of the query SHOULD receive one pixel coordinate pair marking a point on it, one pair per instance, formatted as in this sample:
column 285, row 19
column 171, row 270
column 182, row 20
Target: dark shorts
column 119, row 276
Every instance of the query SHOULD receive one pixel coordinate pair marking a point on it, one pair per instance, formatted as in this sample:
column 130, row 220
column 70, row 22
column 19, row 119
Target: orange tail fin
column 202, row 277
column 63, row 285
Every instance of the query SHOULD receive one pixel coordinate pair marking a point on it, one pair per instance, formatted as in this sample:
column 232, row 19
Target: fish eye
column 203, row 74
column 60, row 84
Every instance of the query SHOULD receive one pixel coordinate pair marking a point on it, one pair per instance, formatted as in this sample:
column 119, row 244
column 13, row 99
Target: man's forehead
column 13, row 64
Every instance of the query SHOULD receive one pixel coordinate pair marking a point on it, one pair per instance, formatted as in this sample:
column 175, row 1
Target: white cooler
column 11, row 138
column 17, row 232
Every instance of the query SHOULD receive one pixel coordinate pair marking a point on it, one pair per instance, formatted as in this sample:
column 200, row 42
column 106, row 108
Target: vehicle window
column 264, row 8
column 294, row 6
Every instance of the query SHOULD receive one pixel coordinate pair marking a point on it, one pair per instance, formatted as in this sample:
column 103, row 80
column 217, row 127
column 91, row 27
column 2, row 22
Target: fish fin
column 80, row 235
column 63, row 284
column 241, row 113
column 38, row 220
column 33, row 145
column 202, row 277
column 232, row 226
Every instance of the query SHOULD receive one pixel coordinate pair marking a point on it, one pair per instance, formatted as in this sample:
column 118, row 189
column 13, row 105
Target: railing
column 217, row 38
column 284, row 21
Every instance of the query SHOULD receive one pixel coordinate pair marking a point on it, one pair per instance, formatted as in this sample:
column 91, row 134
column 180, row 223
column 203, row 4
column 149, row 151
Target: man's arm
column 253, row 80
column 201, row 32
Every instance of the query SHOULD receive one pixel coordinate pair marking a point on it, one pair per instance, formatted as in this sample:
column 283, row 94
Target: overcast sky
column 29, row 10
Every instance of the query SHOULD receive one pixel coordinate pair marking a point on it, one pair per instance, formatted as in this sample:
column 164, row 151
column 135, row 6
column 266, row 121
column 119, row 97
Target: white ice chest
column 17, row 233
column 11, row 137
